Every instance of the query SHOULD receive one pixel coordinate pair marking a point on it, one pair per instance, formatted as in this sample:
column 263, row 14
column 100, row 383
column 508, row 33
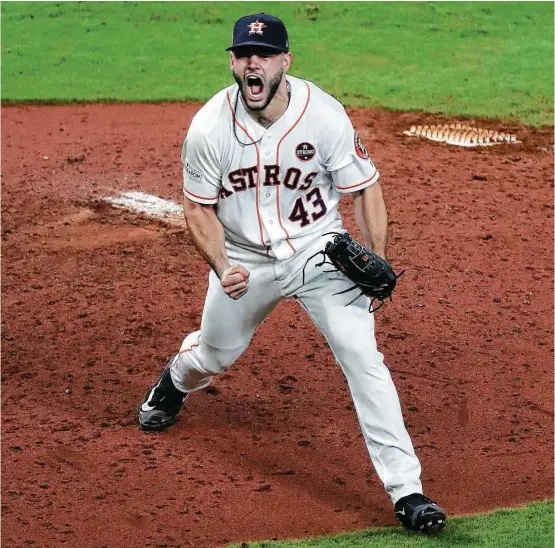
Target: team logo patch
column 193, row 173
column 360, row 148
column 256, row 27
column 305, row 152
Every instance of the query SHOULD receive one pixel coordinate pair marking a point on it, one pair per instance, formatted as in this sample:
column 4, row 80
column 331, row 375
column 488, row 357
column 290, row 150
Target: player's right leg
column 226, row 329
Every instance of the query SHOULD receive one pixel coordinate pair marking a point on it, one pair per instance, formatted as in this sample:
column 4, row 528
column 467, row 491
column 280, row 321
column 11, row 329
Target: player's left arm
column 371, row 217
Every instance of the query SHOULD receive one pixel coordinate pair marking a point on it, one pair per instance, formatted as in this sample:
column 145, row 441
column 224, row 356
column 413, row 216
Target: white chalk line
column 148, row 204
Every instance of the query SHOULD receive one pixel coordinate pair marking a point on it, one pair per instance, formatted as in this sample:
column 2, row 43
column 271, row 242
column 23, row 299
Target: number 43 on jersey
column 307, row 207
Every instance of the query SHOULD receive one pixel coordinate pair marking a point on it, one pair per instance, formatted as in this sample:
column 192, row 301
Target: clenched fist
column 235, row 281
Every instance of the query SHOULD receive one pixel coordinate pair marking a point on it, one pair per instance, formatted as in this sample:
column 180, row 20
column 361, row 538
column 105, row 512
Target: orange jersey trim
column 359, row 184
column 188, row 349
column 187, row 191
column 257, row 170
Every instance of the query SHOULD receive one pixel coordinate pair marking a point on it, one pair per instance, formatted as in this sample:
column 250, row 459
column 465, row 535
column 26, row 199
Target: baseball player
column 265, row 162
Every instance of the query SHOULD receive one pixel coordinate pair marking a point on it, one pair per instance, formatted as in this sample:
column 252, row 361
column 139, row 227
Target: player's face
column 258, row 72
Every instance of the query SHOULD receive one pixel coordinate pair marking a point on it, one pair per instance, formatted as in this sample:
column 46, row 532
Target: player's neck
column 278, row 105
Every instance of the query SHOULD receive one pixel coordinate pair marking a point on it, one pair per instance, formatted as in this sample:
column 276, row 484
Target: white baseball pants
column 227, row 327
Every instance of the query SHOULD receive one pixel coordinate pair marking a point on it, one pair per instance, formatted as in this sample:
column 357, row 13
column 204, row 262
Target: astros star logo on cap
column 256, row 27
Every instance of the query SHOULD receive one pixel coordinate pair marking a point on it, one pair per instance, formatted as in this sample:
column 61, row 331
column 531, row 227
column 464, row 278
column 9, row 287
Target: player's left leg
column 350, row 334
column 349, row 331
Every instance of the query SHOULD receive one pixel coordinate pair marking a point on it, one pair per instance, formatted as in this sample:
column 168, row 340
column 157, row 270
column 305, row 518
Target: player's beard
column 273, row 86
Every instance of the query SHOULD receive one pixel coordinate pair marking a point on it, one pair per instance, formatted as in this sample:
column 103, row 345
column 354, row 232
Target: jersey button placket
column 269, row 196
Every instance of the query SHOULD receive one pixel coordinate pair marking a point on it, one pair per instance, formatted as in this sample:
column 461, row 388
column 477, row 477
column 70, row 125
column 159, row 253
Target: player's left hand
column 368, row 270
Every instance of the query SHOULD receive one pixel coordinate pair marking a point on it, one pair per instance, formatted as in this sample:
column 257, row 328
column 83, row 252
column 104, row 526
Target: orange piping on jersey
column 280, row 223
column 188, row 349
column 277, row 162
column 187, row 191
column 257, row 168
column 358, row 184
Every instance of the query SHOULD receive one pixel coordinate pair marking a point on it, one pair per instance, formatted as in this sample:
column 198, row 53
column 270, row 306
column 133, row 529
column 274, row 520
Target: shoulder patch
column 194, row 174
column 360, row 148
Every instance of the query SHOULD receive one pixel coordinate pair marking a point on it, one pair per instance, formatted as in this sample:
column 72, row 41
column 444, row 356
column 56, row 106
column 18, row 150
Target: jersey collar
column 297, row 103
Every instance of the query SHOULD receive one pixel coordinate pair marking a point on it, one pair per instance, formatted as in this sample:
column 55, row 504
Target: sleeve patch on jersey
column 194, row 174
column 360, row 148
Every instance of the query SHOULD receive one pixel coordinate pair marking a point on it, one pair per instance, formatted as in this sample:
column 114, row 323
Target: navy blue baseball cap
column 260, row 29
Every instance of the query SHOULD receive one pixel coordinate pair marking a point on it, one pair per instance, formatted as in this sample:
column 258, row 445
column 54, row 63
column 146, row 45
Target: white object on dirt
column 150, row 205
column 461, row 135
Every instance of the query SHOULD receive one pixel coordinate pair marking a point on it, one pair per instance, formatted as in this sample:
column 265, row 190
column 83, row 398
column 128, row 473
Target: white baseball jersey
column 276, row 193
column 275, row 188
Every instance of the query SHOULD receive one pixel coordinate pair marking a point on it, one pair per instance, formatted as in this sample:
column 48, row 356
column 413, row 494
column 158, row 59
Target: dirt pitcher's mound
column 94, row 301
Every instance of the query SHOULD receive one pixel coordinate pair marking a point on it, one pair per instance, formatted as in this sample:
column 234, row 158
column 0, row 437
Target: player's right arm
column 202, row 179
column 207, row 234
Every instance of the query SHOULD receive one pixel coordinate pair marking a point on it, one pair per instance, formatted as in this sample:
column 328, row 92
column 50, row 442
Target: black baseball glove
column 368, row 271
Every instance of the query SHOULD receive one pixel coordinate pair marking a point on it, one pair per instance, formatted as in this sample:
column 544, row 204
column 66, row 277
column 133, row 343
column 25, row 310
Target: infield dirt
column 95, row 300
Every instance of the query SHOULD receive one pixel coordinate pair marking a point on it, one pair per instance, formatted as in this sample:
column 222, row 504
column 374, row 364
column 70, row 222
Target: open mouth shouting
column 254, row 88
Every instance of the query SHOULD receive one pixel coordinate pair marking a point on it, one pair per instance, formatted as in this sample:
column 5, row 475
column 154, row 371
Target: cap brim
column 255, row 43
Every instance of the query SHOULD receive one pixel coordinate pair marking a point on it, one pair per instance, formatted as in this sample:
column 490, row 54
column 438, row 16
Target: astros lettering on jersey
column 275, row 187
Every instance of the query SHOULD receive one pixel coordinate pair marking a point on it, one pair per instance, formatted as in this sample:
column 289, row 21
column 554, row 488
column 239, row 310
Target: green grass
column 492, row 59
column 528, row 527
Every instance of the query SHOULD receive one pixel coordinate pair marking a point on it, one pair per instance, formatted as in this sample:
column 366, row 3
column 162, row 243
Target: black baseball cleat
column 419, row 513
column 162, row 403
